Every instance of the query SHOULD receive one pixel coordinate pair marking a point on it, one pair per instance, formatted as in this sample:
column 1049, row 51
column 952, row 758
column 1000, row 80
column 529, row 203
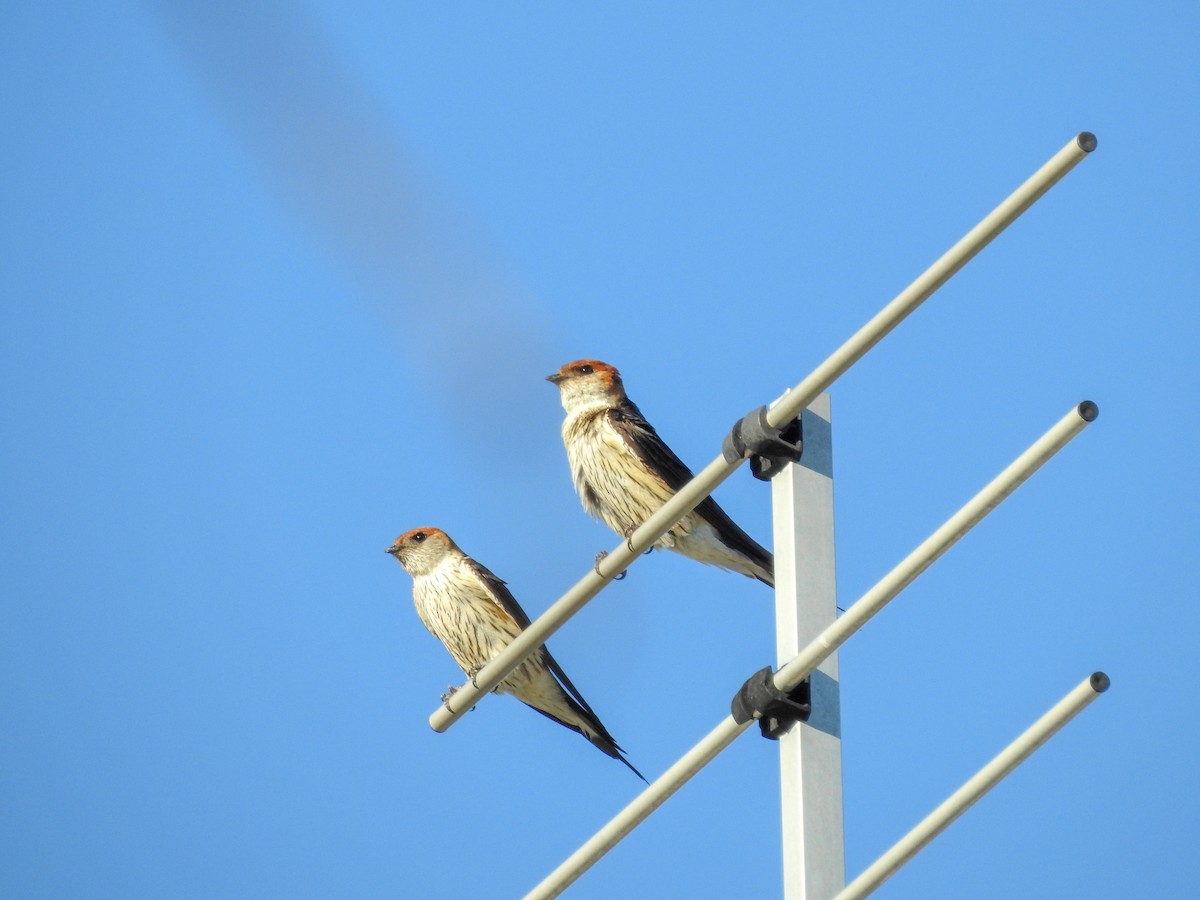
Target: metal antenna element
column 820, row 649
column 979, row 784
column 785, row 409
column 936, row 544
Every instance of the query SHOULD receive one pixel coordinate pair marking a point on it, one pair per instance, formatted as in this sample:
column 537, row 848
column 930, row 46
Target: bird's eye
column 419, row 536
column 585, row 370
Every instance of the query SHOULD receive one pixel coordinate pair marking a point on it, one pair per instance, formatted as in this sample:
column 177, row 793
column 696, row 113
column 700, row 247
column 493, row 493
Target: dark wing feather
column 503, row 596
column 651, row 449
column 640, row 435
column 603, row 740
column 499, row 590
column 509, row 604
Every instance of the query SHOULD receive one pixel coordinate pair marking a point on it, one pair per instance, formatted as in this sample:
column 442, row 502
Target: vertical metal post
column 810, row 754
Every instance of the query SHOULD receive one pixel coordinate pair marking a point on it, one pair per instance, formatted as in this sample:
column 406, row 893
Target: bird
column 624, row 472
column 475, row 616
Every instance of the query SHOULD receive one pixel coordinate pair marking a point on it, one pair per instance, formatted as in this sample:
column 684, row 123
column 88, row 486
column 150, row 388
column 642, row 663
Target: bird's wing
column 500, row 593
column 507, row 602
column 638, row 434
column 652, row 450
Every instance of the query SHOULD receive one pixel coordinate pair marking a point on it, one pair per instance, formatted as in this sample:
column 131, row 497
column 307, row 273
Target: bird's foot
column 472, row 672
column 629, row 540
column 596, row 566
column 450, row 692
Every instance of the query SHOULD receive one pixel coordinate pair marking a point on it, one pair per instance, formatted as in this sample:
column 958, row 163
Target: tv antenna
column 798, row 703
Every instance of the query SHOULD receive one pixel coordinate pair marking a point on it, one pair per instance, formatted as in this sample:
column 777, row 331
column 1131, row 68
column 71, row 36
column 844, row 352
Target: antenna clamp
column 770, row 449
column 775, row 711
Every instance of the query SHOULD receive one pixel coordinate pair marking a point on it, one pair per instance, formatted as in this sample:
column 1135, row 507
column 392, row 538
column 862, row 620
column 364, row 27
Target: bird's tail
column 591, row 728
column 767, row 573
column 574, row 712
column 743, row 553
column 604, row 741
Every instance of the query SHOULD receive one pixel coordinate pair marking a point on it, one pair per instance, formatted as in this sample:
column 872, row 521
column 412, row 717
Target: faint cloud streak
column 462, row 319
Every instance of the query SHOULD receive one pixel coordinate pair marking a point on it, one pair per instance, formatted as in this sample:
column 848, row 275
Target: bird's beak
column 390, row 551
column 555, row 378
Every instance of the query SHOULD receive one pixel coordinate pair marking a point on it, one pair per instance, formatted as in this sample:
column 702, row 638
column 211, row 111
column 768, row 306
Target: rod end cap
column 1088, row 411
column 1086, row 141
column 1100, row 682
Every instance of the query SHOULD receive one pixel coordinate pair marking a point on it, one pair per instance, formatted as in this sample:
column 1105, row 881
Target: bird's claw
column 596, row 566
column 472, row 672
column 629, row 537
column 450, row 692
column 629, row 541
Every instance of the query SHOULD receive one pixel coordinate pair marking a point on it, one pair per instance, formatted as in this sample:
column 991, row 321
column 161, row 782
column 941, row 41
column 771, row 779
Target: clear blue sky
column 279, row 284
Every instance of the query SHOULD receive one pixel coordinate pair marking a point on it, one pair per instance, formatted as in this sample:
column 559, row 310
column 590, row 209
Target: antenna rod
column 657, row 793
column 788, row 677
column 790, row 405
column 786, row 409
column 978, row 785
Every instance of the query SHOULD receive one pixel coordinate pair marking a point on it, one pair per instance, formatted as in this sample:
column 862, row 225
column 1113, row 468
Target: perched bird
column 475, row 616
column 623, row 472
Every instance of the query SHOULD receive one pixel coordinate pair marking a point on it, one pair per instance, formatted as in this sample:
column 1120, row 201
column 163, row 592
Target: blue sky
column 281, row 283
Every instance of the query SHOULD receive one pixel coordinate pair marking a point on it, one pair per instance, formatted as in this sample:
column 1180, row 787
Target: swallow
column 475, row 616
column 624, row 472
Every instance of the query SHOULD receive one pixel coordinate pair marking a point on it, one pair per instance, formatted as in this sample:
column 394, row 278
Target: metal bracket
column 770, row 449
column 775, row 711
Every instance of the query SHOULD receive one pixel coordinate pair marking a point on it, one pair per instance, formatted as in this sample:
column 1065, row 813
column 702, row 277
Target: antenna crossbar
column 975, row 787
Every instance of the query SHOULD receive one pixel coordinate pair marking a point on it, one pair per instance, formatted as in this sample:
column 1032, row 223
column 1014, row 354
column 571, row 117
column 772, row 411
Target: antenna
column 787, row 408
column 799, row 703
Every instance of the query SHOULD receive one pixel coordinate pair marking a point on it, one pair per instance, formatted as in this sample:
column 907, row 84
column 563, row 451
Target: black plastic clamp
column 770, row 449
column 775, row 711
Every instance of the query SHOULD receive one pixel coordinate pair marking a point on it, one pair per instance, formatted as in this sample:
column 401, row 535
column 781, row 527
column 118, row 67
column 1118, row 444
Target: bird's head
column 421, row 550
column 588, row 382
